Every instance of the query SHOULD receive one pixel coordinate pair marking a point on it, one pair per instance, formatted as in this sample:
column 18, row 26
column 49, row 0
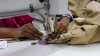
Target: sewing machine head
column 44, row 11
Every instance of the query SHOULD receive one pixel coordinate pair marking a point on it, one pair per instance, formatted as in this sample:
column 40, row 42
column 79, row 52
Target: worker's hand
column 27, row 30
column 61, row 29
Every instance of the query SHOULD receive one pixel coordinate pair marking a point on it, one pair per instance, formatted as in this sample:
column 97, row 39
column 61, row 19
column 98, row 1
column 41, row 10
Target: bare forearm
column 65, row 20
column 6, row 32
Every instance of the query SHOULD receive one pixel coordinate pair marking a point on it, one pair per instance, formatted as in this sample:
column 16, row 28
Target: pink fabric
column 15, row 22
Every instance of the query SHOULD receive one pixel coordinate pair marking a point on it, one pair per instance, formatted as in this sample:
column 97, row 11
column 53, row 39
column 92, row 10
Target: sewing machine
column 45, row 12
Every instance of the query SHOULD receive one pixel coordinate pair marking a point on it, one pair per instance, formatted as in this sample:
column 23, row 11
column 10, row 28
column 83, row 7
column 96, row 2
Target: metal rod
column 55, row 28
column 16, row 13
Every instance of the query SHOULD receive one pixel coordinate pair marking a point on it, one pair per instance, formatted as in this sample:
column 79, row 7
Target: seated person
column 21, row 26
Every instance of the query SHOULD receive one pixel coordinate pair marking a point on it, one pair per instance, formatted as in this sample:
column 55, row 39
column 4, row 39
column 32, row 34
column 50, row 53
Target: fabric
column 15, row 22
column 77, row 7
column 84, row 31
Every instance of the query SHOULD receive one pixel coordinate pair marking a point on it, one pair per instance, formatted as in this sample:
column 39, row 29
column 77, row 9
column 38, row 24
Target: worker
column 21, row 26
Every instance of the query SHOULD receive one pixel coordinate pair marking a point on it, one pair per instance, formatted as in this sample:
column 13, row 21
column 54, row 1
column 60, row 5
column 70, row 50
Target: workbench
column 24, row 48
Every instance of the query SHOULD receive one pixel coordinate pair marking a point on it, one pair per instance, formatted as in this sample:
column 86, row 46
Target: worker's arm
column 61, row 28
column 62, row 25
column 27, row 30
column 6, row 32
column 65, row 21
